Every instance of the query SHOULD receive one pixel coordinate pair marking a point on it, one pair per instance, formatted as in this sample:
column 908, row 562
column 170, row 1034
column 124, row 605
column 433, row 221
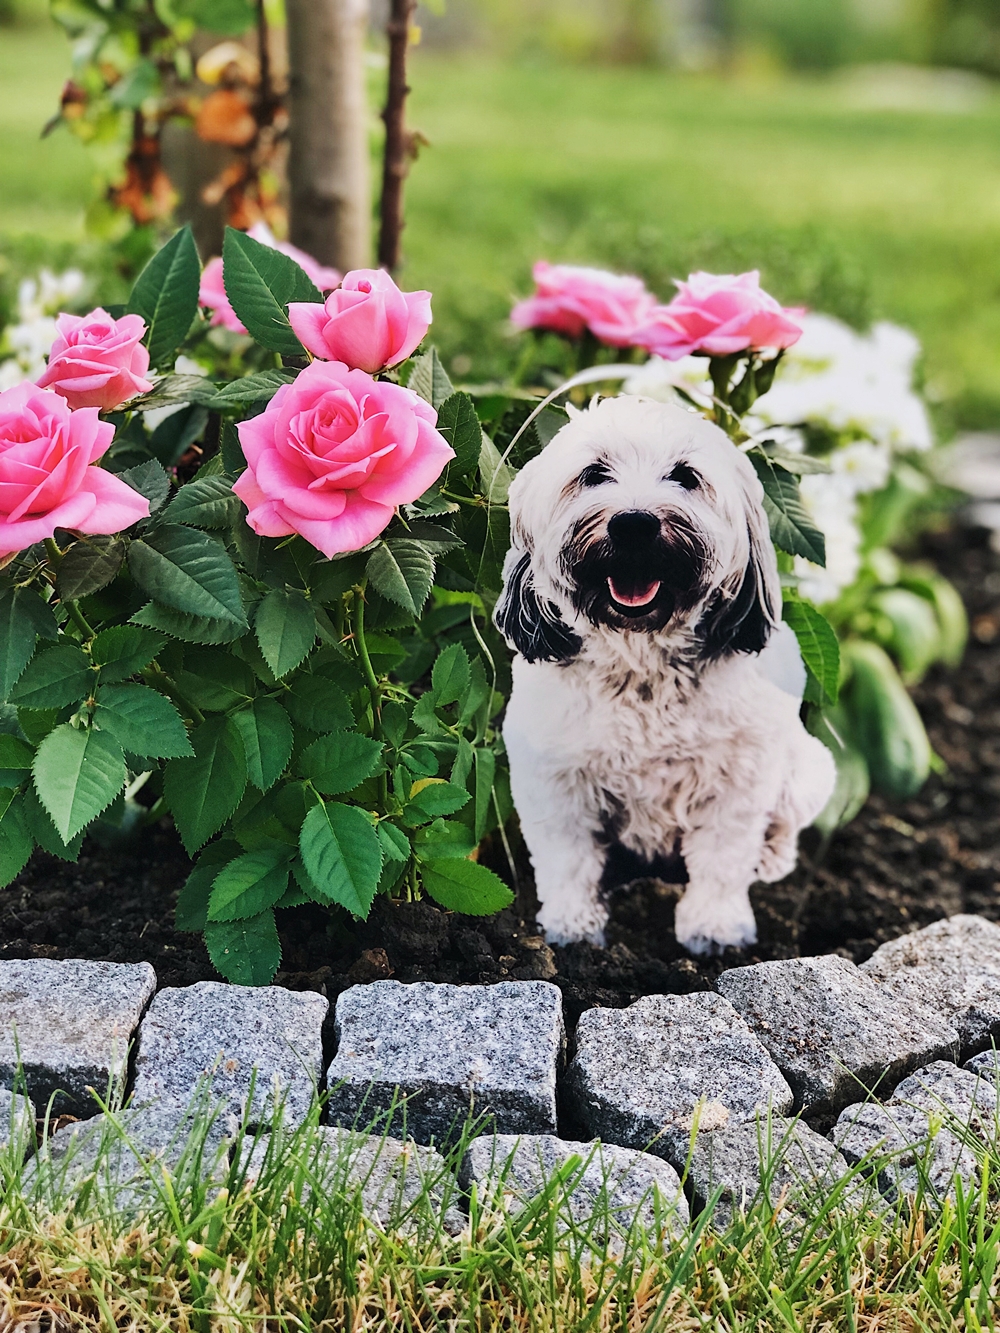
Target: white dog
column 640, row 585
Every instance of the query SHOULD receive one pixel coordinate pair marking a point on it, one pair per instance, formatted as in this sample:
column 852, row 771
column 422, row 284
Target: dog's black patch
column 531, row 623
column 738, row 624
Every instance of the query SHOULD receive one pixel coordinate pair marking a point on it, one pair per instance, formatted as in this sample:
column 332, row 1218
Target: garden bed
column 899, row 865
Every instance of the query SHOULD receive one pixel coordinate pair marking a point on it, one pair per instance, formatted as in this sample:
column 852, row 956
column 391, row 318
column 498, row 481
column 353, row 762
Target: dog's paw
column 586, row 924
column 708, row 928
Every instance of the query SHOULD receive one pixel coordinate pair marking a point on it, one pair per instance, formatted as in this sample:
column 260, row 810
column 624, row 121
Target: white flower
column 49, row 294
column 862, row 465
column 184, row 365
column 829, row 498
column 658, row 379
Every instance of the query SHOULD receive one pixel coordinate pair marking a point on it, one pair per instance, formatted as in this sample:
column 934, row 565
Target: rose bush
column 718, row 315
column 572, row 300
column 97, row 361
column 367, row 323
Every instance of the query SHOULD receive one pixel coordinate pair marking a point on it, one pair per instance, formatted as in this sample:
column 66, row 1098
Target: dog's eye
column 685, row 476
column 595, row 475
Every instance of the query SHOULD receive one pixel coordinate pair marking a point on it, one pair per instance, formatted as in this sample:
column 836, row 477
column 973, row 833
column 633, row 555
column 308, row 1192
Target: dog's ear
column 531, row 625
column 742, row 622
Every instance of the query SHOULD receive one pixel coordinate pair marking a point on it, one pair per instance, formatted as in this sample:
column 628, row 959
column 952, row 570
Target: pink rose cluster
column 97, row 361
column 213, row 296
column 712, row 314
column 48, row 477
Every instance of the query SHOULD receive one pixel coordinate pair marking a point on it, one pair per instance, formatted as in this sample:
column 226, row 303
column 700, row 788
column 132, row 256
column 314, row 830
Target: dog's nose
column 636, row 527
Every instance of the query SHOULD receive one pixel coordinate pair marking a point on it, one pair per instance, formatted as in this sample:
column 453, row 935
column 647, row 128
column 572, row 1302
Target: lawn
column 868, row 213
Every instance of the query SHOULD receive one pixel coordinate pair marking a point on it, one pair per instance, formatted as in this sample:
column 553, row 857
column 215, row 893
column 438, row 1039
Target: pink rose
column 47, row 477
column 212, row 293
column 569, row 299
column 97, row 361
column 368, row 323
column 718, row 314
column 332, row 455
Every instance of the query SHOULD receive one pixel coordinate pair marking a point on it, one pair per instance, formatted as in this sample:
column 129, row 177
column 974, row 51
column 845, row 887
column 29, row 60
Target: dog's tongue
column 637, row 597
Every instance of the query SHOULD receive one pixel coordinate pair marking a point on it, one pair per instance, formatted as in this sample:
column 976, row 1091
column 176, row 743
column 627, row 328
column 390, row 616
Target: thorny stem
column 374, row 689
column 74, row 612
column 162, row 682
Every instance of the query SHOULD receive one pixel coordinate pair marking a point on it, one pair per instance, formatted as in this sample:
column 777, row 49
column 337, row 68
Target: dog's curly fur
column 640, row 585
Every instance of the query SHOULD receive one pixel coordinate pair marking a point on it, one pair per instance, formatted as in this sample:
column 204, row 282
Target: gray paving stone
column 70, row 1024
column 833, row 1032
column 985, row 1065
column 932, row 1126
column 237, row 1037
column 604, row 1193
column 952, row 966
column 447, row 1049
column 642, row 1074
column 17, row 1124
column 801, row 1167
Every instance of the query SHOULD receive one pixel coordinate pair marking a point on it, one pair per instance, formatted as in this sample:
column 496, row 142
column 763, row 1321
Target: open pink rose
column 97, row 361
column 719, row 315
column 569, row 299
column 333, row 454
column 212, row 293
column 367, row 323
column 47, row 477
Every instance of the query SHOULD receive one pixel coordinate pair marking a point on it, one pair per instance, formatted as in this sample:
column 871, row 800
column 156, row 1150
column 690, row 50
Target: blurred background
column 850, row 149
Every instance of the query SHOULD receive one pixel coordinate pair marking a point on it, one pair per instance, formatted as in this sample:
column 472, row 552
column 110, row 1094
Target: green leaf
column 429, row 379
column 78, row 773
column 437, row 539
column 451, row 674
column 260, row 282
column 124, row 650
column 243, row 393
column 444, row 839
column 150, row 480
column 485, row 772
column 792, row 529
column 175, row 435
column 39, row 824
column 214, row 680
column 316, row 704
column 249, row 885
column 36, row 723
column 464, row 886
column 817, row 643
column 395, row 843
column 88, row 566
column 342, row 855
column 230, row 18
column 175, row 390
column 142, row 721
column 189, row 571
column 192, row 629
column 54, row 678
column 166, row 295
column 23, row 616
column 15, row 760
column 436, row 798
column 191, row 912
column 403, row 571
column 247, row 953
column 458, row 423
column 285, row 626
column 204, row 791
column 205, row 502
column 267, row 741
column 340, row 761
column 496, row 474
column 16, row 843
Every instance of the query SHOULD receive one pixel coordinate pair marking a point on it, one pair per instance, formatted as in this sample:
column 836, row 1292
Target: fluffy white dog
column 640, row 585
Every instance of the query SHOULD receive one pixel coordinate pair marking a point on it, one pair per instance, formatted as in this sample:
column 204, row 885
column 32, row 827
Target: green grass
column 865, row 213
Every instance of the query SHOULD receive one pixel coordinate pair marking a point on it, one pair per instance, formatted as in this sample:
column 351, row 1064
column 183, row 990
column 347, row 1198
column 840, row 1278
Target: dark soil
column 898, row 866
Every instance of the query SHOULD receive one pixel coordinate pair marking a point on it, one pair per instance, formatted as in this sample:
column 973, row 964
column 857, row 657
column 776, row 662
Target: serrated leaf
column 174, row 391
column 818, row 644
column 78, row 773
column 243, row 393
column 267, row 741
column 458, row 423
column 464, row 886
column 16, row 843
column 36, row 723
column 342, row 855
column 88, row 566
column 485, row 771
column 450, row 675
column 204, row 791
column 192, row 629
column 124, row 650
column 496, row 474
column 444, row 839
column 54, row 678
column 247, row 953
column 189, row 571
column 23, row 616
column 317, row 704
column 249, row 885
column 142, row 721
column 340, row 761
column 285, row 626
column 175, row 435
column 191, row 912
column 166, row 295
column 429, row 379
column 215, row 681
column 395, row 843
column 15, row 761
column 435, row 538
column 205, row 502
column 800, row 464
column 434, row 799
column 403, row 571
column 150, row 480
column 260, row 282
column 39, row 824
column 792, row 529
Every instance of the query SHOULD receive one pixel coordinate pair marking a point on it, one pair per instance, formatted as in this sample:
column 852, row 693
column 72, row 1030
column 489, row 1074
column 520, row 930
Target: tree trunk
column 328, row 163
column 398, row 146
